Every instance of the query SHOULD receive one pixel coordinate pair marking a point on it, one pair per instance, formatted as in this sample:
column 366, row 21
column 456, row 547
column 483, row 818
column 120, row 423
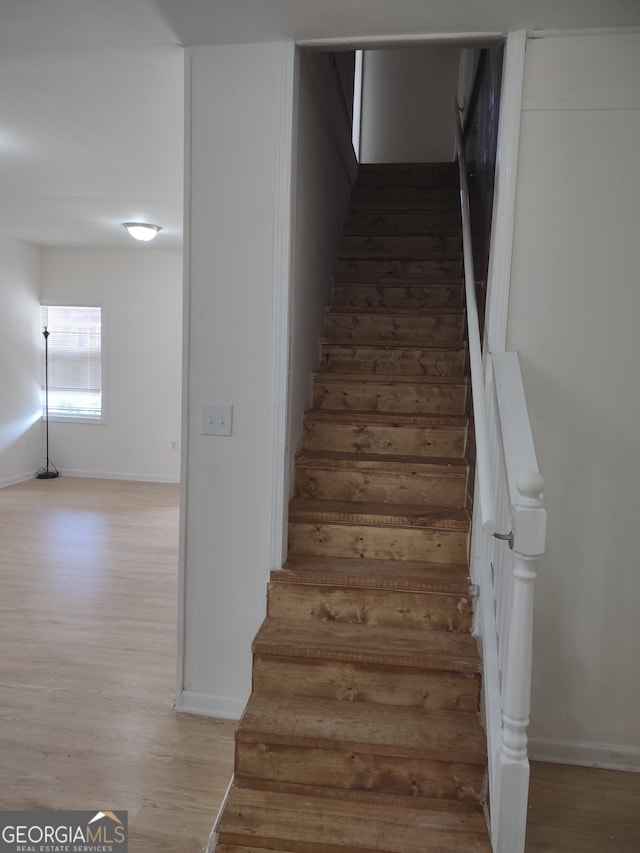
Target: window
column 75, row 361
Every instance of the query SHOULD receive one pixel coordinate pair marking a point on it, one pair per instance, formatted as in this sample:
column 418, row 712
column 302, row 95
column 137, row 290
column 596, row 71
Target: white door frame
column 502, row 231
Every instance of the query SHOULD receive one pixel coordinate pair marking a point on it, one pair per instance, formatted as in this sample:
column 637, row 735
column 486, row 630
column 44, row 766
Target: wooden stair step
column 375, row 462
column 401, row 346
column 400, row 394
column 377, row 531
column 256, row 820
column 400, row 294
column 444, row 685
column 393, row 325
column 368, row 644
column 405, row 198
column 443, row 736
column 440, row 267
column 401, row 285
column 352, row 662
column 367, row 797
column 402, row 515
column 400, row 246
column 350, row 745
column 424, row 611
column 380, row 574
column 347, row 537
column 396, row 311
column 441, row 358
column 386, row 418
column 382, row 478
column 384, row 433
column 403, row 222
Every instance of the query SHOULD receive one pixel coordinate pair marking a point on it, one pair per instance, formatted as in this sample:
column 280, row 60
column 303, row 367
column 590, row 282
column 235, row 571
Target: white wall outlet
column 173, row 446
column 216, row 419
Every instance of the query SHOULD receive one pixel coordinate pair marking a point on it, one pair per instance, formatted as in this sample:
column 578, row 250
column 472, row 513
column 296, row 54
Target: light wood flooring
column 88, row 605
column 88, row 591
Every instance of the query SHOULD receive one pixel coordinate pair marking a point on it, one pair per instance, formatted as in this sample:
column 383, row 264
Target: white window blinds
column 75, row 360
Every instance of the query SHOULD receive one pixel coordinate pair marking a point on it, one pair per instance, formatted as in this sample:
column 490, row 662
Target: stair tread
column 355, row 229
column 384, row 418
column 454, row 651
column 390, row 378
column 316, row 510
column 441, row 735
column 368, row 797
column 386, row 462
column 445, row 206
column 393, row 256
column 418, row 166
column 319, row 824
column 430, row 282
column 391, row 345
column 408, row 575
column 400, row 312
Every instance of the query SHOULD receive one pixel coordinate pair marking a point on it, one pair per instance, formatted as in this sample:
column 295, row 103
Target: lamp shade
column 142, row 230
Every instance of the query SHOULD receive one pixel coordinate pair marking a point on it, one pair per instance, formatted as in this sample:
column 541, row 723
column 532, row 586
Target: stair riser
column 429, row 489
column 396, row 296
column 234, row 848
column 448, row 327
column 384, row 608
column 372, row 684
column 351, row 770
column 392, row 842
column 411, row 222
column 406, row 198
column 397, row 270
column 383, row 397
column 394, row 362
column 442, row 441
column 378, row 543
column 389, row 246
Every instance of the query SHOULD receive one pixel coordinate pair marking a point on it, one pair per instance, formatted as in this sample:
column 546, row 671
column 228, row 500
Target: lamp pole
column 46, row 473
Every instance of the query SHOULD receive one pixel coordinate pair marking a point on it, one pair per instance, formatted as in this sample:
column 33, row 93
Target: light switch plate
column 216, row 419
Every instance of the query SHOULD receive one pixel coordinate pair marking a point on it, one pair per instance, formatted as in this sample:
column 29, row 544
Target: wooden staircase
column 362, row 732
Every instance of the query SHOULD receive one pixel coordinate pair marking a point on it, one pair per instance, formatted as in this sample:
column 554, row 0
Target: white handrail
column 485, row 485
column 519, row 450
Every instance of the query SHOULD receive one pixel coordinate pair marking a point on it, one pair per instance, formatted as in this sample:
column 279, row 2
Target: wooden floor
column 88, row 580
column 582, row 810
column 88, row 605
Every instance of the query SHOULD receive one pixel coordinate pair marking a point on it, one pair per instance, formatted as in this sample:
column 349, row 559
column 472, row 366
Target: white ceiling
column 91, row 93
column 91, row 122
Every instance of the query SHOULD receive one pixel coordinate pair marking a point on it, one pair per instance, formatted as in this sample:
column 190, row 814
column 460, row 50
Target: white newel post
column 510, row 812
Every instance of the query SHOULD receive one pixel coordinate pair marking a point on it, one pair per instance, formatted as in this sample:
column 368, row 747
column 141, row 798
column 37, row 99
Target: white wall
column 325, row 170
column 407, row 104
column 574, row 315
column 233, row 126
column 22, row 449
column 140, row 291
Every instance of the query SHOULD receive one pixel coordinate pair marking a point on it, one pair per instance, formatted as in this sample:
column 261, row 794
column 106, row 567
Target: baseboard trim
column 584, row 754
column 19, row 478
column 208, row 705
column 118, row 475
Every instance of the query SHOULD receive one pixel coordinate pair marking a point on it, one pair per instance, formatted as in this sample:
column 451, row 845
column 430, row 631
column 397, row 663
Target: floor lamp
column 50, row 472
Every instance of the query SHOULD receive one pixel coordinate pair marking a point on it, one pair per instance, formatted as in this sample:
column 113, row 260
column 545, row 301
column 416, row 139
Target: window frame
column 71, row 303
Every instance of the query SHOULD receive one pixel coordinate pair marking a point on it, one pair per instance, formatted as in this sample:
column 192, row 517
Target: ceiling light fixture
column 142, row 230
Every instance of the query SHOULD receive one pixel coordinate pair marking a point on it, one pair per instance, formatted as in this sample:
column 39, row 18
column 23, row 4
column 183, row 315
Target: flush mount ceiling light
column 142, row 230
